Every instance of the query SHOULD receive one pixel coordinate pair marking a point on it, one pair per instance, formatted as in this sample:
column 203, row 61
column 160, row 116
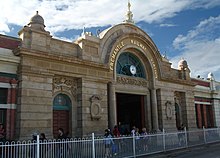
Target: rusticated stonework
column 61, row 83
column 132, row 81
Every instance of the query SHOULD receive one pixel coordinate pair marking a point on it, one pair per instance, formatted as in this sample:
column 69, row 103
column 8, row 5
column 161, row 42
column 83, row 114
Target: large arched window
column 129, row 65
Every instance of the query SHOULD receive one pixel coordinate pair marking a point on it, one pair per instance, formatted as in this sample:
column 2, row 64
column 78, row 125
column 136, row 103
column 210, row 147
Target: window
column 3, row 95
column 3, row 116
column 129, row 65
column 61, row 102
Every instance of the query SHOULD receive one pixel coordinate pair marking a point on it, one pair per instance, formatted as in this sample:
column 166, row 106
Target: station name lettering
column 137, row 43
column 154, row 68
column 122, row 44
column 116, row 50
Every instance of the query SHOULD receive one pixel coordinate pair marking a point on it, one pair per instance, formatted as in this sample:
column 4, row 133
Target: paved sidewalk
column 203, row 151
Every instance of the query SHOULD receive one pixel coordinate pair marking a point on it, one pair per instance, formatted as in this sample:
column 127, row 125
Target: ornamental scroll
column 68, row 84
column 132, row 81
column 95, row 108
column 169, row 110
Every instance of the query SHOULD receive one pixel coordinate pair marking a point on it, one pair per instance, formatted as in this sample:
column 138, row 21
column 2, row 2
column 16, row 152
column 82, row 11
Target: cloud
column 200, row 47
column 167, row 25
column 204, row 4
column 66, row 39
column 4, row 27
column 3, row 33
column 61, row 15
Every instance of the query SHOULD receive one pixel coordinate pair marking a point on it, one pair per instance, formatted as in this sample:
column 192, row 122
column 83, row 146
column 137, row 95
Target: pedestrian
column 43, row 137
column 145, row 138
column 43, row 146
column 33, row 149
column 61, row 134
column 137, row 138
column 133, row 130
column 181, row 135
column 116, row 132
column 2, row 137
column 62, row 146
column 108, row 143
column 2, row 133
column 116, row 145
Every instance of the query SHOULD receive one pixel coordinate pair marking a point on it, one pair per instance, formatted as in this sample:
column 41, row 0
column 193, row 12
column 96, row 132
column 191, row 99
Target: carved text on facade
column 132, row 81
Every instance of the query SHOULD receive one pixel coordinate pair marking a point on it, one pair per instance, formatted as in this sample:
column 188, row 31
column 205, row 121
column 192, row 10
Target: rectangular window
column 3, row 116
column 3, row 95
column 210, row 121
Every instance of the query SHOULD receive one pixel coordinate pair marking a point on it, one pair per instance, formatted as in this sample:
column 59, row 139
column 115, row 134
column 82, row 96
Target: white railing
column 129, row 146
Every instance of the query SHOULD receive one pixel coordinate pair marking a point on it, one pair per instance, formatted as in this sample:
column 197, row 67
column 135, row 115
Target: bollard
column 93, row 145
column 38, row 146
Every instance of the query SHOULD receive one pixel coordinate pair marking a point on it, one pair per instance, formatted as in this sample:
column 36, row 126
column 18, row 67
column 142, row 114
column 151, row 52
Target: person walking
column 61, row 146
column 145, row 138
column 181, row 135
column 108, row 143
column 116, row 146
column 2, row 133
column 43, row 146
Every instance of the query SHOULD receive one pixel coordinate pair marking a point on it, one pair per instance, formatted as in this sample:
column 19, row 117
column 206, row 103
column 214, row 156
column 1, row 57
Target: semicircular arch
column 133, row 44
column 70, row 106
column 112, row 36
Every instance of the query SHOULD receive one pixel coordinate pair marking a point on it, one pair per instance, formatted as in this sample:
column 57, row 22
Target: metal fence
column 129, row 146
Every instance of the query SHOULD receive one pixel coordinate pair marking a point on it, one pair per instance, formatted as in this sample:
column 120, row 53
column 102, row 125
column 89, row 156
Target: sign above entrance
column 124, row 43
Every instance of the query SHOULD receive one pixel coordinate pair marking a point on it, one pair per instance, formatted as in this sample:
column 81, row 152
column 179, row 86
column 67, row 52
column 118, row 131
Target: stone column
column 216, row 112
column 11, row 100
column 111, row 105
column 148, row 107
column 154, row 109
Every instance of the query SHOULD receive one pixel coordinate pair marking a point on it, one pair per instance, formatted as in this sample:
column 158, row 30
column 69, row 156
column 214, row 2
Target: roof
column 200, row 82
column 9, row 42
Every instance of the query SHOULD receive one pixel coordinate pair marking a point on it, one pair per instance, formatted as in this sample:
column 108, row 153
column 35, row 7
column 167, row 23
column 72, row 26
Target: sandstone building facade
column 95, row 82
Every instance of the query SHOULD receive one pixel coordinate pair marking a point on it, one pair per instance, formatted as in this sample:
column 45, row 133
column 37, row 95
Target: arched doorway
column 130, row 112
column 130, row 105
column 61, row 113
column 178, row 115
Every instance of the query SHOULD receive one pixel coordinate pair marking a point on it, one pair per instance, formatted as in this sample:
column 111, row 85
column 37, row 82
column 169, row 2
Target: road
column 206, row 151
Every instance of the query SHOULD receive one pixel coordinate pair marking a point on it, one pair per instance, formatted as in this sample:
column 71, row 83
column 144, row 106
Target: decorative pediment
column 61, row 83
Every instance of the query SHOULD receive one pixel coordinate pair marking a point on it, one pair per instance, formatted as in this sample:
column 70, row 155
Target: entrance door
column 60, row 120
column 130, row 111
column 61, row 114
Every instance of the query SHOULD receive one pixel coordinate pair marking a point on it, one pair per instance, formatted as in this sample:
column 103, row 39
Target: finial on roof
column 129, row 5
column 83, row 31
column 211, row 77
column 37, row 22
column 129, row 15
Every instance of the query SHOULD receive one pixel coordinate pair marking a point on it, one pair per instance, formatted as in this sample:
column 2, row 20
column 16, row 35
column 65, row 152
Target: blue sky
column 188, row 29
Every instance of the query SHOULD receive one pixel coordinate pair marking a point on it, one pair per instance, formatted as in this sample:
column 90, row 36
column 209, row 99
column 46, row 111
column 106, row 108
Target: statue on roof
column 129, row 15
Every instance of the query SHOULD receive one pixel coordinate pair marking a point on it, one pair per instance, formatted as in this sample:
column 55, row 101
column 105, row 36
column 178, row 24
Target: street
column 206, row 151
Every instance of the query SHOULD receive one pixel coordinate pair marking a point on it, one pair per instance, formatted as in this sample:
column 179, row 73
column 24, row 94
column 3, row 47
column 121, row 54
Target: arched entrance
column 61, row 113
column 130, row 111
column 130, row 106
column 178, row 115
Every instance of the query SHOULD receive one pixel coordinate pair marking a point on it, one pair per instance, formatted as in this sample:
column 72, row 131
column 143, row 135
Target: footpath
column 202, row 151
